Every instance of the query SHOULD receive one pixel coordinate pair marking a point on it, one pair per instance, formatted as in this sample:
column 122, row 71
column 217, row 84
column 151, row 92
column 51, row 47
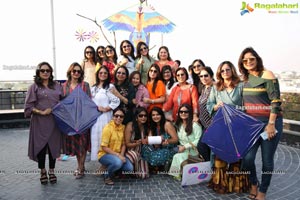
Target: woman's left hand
column 270, row 128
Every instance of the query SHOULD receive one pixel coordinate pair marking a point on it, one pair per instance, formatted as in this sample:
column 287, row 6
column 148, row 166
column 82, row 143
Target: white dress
column 101, row 97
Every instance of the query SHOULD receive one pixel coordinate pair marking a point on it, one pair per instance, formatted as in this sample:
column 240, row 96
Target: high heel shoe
column 44, row 178
column 52, row 177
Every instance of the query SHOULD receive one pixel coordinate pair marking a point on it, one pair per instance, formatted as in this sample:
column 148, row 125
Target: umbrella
column 76, row 113
column 232, row 133
column 139, row 20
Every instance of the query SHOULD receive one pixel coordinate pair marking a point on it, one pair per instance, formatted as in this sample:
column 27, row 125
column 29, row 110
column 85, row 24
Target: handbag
column 192, row 159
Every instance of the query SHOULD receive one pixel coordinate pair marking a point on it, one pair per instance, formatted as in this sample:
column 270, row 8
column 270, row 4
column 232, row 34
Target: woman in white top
column 106, row 103
column 127, row 56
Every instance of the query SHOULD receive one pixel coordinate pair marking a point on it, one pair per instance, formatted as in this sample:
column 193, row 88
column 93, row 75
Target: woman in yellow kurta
column 112, row 149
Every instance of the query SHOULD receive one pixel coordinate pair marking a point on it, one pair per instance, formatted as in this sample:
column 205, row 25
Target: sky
column 213, row 31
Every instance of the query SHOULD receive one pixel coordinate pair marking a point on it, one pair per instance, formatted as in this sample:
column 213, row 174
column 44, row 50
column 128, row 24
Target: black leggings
column 42, row 158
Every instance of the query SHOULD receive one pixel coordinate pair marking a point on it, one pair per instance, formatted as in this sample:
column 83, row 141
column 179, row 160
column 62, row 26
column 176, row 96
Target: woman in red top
column 164, row 58
column 183, row 92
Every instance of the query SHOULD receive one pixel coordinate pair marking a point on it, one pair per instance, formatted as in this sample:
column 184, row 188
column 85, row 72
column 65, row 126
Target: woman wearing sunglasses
column 78, row 144
column 261, row 96
column 183, row 92
column 125, row 91
column 112, row 148
column 196, row 66
column 206, row 78
column 228, row 90
column 189, row 133
column 89, row 65
column 135, row 136
column 111, row 61
column 127, row 56
column 106, row 103
column 44, row 135
column 143, row 60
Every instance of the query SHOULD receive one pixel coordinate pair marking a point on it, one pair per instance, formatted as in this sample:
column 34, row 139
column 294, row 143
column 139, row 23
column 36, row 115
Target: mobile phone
column 264, row 135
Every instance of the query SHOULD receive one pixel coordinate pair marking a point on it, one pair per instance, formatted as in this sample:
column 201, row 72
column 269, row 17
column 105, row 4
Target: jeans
column 114, row 164
column 268, row 148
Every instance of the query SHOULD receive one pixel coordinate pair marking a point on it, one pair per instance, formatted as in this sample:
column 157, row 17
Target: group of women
column 140, row 99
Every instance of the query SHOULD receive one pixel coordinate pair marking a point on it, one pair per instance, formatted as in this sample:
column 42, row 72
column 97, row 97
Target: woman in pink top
column 183, row 92
column 164, row 58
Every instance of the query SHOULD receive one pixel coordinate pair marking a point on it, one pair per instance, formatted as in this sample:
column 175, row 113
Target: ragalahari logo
column 246, row 8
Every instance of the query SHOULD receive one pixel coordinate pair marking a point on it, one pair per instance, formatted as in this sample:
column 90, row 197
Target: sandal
column 44, row 178
column 252, row 195
column 108, row 181
column 52, row 177
column 78, row 174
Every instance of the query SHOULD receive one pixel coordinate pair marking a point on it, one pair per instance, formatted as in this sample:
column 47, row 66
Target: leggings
column 42, row 158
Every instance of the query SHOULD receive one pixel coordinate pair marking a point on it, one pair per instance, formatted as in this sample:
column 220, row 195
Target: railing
column 11, row 100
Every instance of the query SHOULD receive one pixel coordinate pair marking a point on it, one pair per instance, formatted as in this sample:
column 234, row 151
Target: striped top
column 204, row 115
column 261, row 97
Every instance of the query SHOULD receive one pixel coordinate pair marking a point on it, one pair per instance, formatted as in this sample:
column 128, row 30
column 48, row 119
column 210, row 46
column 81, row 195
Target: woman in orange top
column 156, row 88
column 183, row 92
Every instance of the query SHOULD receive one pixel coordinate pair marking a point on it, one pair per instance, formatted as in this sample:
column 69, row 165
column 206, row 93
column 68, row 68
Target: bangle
column 271, row 122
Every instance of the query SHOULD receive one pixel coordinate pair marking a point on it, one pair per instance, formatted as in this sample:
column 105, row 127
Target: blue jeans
column 114, row 164
column 268, row 148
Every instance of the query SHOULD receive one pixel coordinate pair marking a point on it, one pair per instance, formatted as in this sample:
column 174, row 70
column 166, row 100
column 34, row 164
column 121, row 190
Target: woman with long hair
column 125, row 91
column 44, row 135
column 106, row 103
column 189, row 133
column 196, row 66
column 155, row 87
column 183, row 92
column 111, row 61
column 164, row 58
column 89, row 64
column 112, row 149
column 78, row 144
column 135, row 136
column 127, row 56
column 143, row 60
column 261, row 97
column 160, row 155
column 227, row 90
column 206, row 77
column 141, row 91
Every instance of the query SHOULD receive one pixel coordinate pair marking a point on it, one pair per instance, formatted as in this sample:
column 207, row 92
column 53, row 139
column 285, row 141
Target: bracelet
column 271, row 122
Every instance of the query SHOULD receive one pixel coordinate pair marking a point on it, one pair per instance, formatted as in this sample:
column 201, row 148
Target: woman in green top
column 261, row 97
column 189, row 133
column 143, row 60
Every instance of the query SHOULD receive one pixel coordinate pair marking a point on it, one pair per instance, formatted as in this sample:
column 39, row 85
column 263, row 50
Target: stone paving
column 19, row 178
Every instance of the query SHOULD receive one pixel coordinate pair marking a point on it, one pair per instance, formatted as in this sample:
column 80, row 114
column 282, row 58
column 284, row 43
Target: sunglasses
column 108, row 51
column 101, row 51
column 178, row 75
column 45, row 70
column 121, row 73
column 74, row 71
column 246, row 60
column 144, row 48
column 204, row 75
column 88, row 52
column 141, row 116
column 126, row 46
column 119, row 116
column 197, row 66
column 183, row 112
column 153, row 71
column 104, row 73
column 225, row 70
